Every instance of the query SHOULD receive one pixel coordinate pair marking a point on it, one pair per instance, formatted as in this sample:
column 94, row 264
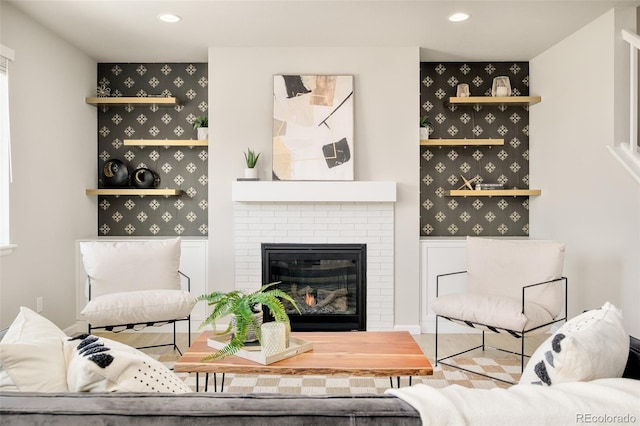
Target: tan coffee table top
column 354, row 353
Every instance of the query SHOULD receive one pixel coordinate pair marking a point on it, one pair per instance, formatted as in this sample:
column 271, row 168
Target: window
column 628, row 154
column 6, row 55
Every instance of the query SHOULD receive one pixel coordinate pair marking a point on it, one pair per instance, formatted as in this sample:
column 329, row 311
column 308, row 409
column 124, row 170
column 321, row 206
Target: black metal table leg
column 398, row 381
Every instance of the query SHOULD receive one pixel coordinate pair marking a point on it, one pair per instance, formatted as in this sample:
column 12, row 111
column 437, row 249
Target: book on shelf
column 481, row 186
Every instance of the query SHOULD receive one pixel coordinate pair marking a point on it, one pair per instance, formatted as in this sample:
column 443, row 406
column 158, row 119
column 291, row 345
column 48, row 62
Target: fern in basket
column 244, row 307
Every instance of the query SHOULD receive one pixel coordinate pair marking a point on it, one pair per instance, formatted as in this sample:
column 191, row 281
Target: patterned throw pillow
column 102, row 365
column 590, row 346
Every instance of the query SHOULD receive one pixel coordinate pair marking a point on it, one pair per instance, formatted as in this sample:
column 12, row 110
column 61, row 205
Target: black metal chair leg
column 522, row 354
column 436, row 340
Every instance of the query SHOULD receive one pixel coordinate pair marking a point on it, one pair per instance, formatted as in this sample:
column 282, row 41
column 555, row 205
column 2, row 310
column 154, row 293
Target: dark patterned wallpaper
column 442, row 167
column 176, row 167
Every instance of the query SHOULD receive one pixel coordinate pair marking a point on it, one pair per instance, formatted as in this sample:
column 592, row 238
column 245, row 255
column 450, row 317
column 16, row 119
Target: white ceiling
column 129, row 31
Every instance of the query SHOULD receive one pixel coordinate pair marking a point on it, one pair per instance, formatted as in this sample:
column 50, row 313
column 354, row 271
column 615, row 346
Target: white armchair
column 135, row 284
column 514, row 287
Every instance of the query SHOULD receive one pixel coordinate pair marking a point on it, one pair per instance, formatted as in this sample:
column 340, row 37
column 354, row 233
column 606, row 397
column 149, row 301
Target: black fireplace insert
column 327, row 281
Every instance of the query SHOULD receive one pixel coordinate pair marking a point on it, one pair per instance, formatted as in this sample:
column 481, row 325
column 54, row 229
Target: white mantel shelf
column 316, row 192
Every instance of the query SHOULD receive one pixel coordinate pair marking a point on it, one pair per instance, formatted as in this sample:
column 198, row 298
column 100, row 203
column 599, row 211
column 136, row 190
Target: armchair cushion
column 590, row 346
column 138, row 307
column 503, row 267
column 496, row 311
column 122, row 266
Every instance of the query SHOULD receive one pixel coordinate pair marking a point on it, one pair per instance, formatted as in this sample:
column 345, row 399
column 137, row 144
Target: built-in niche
column 178, row 167
column 442, row 167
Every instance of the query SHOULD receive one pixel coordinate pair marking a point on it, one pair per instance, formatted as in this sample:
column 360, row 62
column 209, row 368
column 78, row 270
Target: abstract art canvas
column 313, row 127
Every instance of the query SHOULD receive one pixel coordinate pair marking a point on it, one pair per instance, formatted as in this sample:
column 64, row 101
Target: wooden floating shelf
column 459, row 142
column 496, row 100
column 133, row 191
column 494, row 192
column 166, row 142
column 131, row 100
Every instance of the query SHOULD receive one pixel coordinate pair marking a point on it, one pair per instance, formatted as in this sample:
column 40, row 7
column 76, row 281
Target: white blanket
column 602, row 401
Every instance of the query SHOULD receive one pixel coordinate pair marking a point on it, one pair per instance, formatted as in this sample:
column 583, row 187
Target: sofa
column 602, row 399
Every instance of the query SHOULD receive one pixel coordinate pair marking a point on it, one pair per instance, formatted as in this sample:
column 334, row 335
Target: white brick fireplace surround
column 319, row 213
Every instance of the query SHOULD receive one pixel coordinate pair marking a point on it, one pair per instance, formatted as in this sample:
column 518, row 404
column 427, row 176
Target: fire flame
column 309, row 299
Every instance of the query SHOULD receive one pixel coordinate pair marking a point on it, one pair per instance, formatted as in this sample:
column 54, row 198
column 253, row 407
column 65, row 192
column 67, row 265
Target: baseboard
column 413, row 329
column 77, row 328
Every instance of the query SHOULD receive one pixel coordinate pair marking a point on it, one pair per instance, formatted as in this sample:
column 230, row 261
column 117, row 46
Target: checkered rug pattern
column 506, row 368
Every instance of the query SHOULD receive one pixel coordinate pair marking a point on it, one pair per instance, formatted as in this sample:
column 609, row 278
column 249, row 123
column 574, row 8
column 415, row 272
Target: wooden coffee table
column 348, row 353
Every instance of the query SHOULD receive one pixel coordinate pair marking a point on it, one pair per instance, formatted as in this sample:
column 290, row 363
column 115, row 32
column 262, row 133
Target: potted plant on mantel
column 246, row 314
column 251, row 159
column 201, row 124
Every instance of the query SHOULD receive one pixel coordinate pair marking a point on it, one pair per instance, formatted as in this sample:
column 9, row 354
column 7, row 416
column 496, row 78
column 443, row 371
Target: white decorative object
column 251, row 173
column 274, row 337
column 203, row 133
column 103, row 91
column 463, row 91
column 501, row 86
column 424, row 133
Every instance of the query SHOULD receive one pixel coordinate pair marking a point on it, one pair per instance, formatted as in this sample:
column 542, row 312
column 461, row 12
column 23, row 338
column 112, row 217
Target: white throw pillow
column 120, row 266
column 31, row 354
column 590, row 346
column 138, row 307
column 102, row 365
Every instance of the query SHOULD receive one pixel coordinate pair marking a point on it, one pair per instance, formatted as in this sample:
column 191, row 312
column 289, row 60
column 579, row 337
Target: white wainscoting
column 440, row 256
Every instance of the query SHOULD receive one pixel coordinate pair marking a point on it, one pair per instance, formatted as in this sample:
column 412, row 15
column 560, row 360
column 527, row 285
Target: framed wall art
column 312, row 127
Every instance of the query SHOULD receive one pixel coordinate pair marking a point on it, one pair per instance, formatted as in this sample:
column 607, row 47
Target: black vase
column 115, row 174
column 143, row 178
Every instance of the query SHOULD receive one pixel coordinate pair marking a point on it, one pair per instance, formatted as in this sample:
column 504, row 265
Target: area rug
column 506, row 368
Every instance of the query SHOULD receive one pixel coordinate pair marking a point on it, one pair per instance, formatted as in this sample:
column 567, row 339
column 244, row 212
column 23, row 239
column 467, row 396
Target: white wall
column 54, row 160
column 588, row 200
column 386, row 88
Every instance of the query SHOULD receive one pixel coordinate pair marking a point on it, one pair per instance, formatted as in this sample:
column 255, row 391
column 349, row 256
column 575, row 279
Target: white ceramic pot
column 251, row 173
column 424, row 133
column 203, row 133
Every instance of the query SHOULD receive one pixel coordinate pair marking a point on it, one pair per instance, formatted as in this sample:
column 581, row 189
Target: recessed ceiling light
column 169, row 17
column 459, row 17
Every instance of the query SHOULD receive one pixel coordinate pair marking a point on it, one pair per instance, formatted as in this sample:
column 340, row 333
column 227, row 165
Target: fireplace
column 327, row 281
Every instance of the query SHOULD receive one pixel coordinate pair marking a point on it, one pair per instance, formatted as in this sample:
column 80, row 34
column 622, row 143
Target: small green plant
column 424, row 122
column 251, row 158
column 244, row 307
column 201, row 122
